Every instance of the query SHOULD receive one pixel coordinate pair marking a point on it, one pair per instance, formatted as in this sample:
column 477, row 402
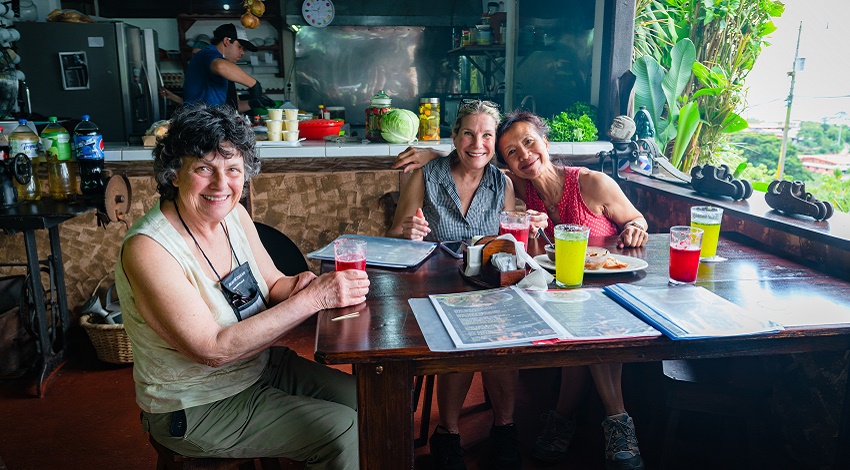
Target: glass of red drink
column 685, row 244
column 350, row 253
column 516, row 223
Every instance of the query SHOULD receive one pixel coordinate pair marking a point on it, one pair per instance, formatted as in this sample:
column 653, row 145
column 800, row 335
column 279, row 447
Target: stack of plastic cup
column 290, row 125
column 274, row 124
column 275, row 128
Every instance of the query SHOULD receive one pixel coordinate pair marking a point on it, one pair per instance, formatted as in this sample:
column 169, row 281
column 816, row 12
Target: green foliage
column 833, row 187
column 819, row 139
column 728, row 36
column 762, row 150
column 575, row 124
column 687, row 125
column 661, row 93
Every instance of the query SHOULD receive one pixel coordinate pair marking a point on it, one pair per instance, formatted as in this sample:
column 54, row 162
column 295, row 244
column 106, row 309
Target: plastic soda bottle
column 88, row 148
column 61, row 177
column 23, row 140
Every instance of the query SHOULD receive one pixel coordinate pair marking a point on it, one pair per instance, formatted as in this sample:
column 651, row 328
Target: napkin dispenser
column 489, row 274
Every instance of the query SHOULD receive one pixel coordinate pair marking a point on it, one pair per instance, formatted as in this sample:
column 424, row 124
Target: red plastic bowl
column 318, row 129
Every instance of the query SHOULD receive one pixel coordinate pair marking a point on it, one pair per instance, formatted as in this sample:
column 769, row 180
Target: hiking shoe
column 505, row 454
column 446, row 451
column 621, row 445
column 554, row 440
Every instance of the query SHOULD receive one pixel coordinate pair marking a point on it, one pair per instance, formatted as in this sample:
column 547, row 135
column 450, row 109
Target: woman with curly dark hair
column 205, row 309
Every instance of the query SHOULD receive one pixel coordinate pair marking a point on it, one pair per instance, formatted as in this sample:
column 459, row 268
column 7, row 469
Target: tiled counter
column 319, row 149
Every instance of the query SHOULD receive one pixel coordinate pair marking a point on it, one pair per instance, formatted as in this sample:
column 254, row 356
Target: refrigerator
column 108, row 70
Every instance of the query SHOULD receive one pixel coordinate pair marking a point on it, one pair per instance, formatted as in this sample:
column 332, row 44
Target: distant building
column 774, row 128
column 825, row 163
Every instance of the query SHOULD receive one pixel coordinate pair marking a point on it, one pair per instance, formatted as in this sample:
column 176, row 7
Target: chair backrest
column 284, row 252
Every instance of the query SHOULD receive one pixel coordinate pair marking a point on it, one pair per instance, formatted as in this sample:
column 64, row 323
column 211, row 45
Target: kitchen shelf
column 490, row 64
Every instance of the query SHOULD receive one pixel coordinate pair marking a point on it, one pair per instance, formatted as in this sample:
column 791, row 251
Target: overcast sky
column 822, row 89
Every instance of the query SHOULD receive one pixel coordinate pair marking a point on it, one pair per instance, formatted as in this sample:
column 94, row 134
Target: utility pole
column 780, row 168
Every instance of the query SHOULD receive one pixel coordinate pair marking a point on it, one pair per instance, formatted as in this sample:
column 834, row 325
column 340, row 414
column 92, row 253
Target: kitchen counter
column 320, row 149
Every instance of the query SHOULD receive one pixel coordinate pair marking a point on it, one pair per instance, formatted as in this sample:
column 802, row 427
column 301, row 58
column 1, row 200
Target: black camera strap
column 240, row 288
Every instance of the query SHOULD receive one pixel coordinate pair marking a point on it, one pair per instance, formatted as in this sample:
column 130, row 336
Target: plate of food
column 601, row 261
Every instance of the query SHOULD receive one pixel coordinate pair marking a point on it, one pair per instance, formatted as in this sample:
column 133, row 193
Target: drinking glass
column 570, row 249
column 350, row 253
column 516, row 223
column 685, row 243
column 708, row 218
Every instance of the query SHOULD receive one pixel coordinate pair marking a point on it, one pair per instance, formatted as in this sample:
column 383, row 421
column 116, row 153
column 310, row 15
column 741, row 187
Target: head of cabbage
column 399, row 126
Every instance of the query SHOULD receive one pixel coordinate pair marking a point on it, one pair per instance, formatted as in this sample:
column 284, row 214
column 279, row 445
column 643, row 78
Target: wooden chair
column 167, row 459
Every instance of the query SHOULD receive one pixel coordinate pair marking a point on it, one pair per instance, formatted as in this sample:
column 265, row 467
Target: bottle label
column 57, row 146
column 26, row 147
column 88, row 147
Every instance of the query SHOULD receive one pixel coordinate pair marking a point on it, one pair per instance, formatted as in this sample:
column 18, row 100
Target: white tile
column 136, row 154
column 371, row 149
column 306, row 150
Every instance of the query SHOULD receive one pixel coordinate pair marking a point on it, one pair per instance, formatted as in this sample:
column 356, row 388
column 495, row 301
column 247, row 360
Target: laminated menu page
column 494, row 317
column 690, row 312
column 589, row 314
column 384, row 251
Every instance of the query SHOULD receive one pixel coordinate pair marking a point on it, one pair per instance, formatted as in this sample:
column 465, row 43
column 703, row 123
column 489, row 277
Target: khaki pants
column 298, row 409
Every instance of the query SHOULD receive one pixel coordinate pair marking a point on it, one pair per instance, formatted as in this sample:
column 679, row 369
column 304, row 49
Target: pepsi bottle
column 88, row 148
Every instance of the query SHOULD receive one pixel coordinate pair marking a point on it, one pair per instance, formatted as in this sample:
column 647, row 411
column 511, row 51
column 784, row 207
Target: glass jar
column 379, row 106
column 429, row 119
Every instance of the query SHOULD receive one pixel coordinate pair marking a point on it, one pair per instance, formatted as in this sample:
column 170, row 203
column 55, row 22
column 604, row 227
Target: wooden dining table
column 387, row 349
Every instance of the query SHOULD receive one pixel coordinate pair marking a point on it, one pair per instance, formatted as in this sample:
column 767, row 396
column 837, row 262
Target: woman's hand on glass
column 537, row 220
column 338, row 289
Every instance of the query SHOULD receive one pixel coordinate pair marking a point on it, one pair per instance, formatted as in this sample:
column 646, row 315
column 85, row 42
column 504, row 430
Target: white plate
column 635, row 264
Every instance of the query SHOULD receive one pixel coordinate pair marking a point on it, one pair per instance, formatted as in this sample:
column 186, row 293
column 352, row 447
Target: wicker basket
column 110, row 341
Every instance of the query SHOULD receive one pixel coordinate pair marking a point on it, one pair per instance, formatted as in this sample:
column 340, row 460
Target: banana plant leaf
column 648, row 91
column 683, row 57
column 688, row 122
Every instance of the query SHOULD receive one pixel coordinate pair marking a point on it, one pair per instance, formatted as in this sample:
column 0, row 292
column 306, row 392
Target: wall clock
column 318, row 13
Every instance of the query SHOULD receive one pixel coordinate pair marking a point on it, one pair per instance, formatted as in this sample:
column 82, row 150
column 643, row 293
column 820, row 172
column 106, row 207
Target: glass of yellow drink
column 570, row 248
column 708, row 218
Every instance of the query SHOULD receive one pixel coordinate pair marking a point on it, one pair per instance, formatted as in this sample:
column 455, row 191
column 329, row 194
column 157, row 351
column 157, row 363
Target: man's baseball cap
column 229, row 30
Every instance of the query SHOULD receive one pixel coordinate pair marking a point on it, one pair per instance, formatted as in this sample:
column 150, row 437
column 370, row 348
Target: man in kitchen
column 212, row 72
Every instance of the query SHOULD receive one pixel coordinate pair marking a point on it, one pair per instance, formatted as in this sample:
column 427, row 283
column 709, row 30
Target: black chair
column 284, row 252
column 716, row 387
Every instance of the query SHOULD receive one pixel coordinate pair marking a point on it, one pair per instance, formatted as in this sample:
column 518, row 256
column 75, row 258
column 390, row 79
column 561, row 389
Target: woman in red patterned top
column 573, row 195
column 569, row 195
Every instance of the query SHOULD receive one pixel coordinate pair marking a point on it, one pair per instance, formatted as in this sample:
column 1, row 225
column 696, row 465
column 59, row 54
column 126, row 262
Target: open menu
column 690, row 312
column 589, row 314
column 494, row 317
column 384, row 251
column 509, row 316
